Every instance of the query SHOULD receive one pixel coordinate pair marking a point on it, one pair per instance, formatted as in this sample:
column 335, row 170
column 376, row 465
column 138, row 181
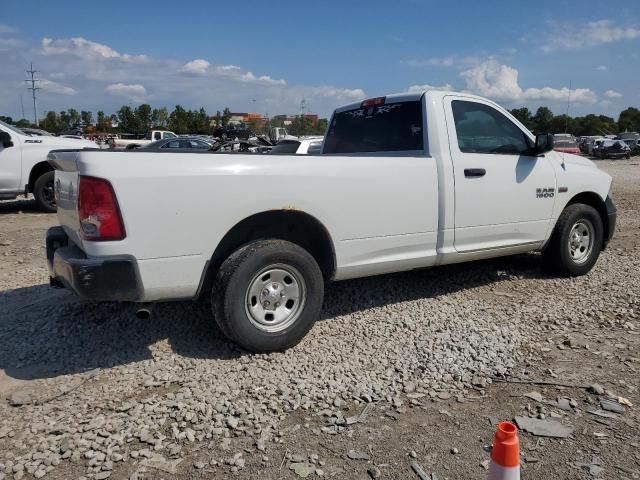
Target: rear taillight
column 100, row 218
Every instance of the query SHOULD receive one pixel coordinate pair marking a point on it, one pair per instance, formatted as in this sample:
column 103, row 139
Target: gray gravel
column 93, row 385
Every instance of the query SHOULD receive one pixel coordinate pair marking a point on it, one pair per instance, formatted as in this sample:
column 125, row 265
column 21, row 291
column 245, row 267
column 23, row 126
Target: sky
column 267, row 57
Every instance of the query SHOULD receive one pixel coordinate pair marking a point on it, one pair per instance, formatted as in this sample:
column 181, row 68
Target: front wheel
column 44, row 193
column 576, row 241
column 267, row 295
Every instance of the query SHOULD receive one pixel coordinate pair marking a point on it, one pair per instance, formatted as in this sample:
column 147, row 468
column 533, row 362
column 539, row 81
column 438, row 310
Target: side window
column 198, row 144
column 483, row 129
column 172, row 144
column 157, row 136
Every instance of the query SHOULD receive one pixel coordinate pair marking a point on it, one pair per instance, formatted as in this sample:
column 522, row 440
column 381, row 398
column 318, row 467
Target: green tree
column 542, row 120
column 629, row 120
column 127, row 119
column 226, row 116
column 24, row 123
column 101, row 124
column 179, row 120
column 64, row 120
column 143, row 120
column 86, row 117
column 74, row 117
column 524, row 116
column 9, row 120
column 51, row 122
column 160, row 117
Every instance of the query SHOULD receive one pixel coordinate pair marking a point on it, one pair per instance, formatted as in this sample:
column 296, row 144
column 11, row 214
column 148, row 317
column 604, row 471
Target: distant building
column 288, row 119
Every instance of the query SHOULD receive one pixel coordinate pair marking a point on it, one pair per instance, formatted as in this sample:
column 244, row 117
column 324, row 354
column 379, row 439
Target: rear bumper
column 109, row 279
column 612, row 217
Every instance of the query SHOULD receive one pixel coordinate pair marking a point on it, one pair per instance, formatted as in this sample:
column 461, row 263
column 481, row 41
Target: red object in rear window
column 98, row 210
column 373, row 102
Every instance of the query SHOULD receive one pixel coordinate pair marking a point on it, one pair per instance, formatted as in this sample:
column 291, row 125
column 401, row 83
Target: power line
column 33, row 81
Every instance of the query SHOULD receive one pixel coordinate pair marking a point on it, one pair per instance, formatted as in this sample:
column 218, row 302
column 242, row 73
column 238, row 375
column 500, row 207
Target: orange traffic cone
column 505, row 454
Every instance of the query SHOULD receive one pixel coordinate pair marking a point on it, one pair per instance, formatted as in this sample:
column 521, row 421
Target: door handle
column 474, row 172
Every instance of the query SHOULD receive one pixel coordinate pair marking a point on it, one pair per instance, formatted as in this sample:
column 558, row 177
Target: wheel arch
column 594, row 200
column 295, row 226
column 37, row 171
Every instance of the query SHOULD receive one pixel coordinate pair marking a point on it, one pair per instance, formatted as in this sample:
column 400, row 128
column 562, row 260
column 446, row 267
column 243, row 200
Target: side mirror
column 544, row 143
column 5, row 140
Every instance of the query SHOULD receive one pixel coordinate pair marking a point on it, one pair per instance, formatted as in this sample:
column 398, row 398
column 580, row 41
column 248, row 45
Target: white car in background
column 23, row 164
column 301, row 146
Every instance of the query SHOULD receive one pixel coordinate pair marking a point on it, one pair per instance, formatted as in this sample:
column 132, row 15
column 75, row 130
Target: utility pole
column 22, row 106
column 566, row 123
column 303, row 107
column 33, row 81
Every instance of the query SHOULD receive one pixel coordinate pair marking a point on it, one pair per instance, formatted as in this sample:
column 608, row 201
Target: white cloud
column 602, row 68
column 425, row 87
column 565, row 36
column 612, row 94
column 10, row 43
column 134, row 58
column 341, row 94
column 500, row 82
column 135, row 92
column 264, row 79
column 6, row 29
column 195, row 67
column 449, row 61
column 55, row 87
column 78, row 46
column 104, row 78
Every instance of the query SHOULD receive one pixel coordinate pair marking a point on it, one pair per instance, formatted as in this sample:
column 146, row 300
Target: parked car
column 243, row 146
column 594, row 143
column 174, row 144
column 129, row 142
column 565, row 145
column 304, row 146
column 36, row 132
column 260, row 235
column 23, row 164
column 612, row 149
column 634, row 146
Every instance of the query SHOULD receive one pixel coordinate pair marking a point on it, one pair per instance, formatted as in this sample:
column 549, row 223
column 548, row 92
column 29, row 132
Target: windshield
column 12, row 128
column 391, row 127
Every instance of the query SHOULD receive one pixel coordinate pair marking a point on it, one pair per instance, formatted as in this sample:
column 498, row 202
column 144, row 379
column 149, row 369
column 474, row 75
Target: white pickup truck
column 131, row 143
column 404, row 182
column 23, row 164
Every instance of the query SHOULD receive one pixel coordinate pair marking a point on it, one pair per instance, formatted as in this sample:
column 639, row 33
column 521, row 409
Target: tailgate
column 66, row 191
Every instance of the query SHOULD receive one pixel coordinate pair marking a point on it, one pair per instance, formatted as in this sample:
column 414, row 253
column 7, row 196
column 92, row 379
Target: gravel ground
column 92, row 391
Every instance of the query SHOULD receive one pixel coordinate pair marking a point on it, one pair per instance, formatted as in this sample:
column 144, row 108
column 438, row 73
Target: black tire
column 627, row 156
column 231, row 298
column 558, row 256
column 44, row 193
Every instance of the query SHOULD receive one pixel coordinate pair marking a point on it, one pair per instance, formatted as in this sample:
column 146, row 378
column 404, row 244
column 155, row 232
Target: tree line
column 181, row 121
column 141, row 119
column 543, row 120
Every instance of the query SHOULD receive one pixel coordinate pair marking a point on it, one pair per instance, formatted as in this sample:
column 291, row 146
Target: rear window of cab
column 390, row 127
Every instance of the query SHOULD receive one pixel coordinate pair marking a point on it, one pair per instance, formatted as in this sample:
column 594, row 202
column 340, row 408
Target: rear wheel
column 267, row 295
column 576, row 241
column 44, row 193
